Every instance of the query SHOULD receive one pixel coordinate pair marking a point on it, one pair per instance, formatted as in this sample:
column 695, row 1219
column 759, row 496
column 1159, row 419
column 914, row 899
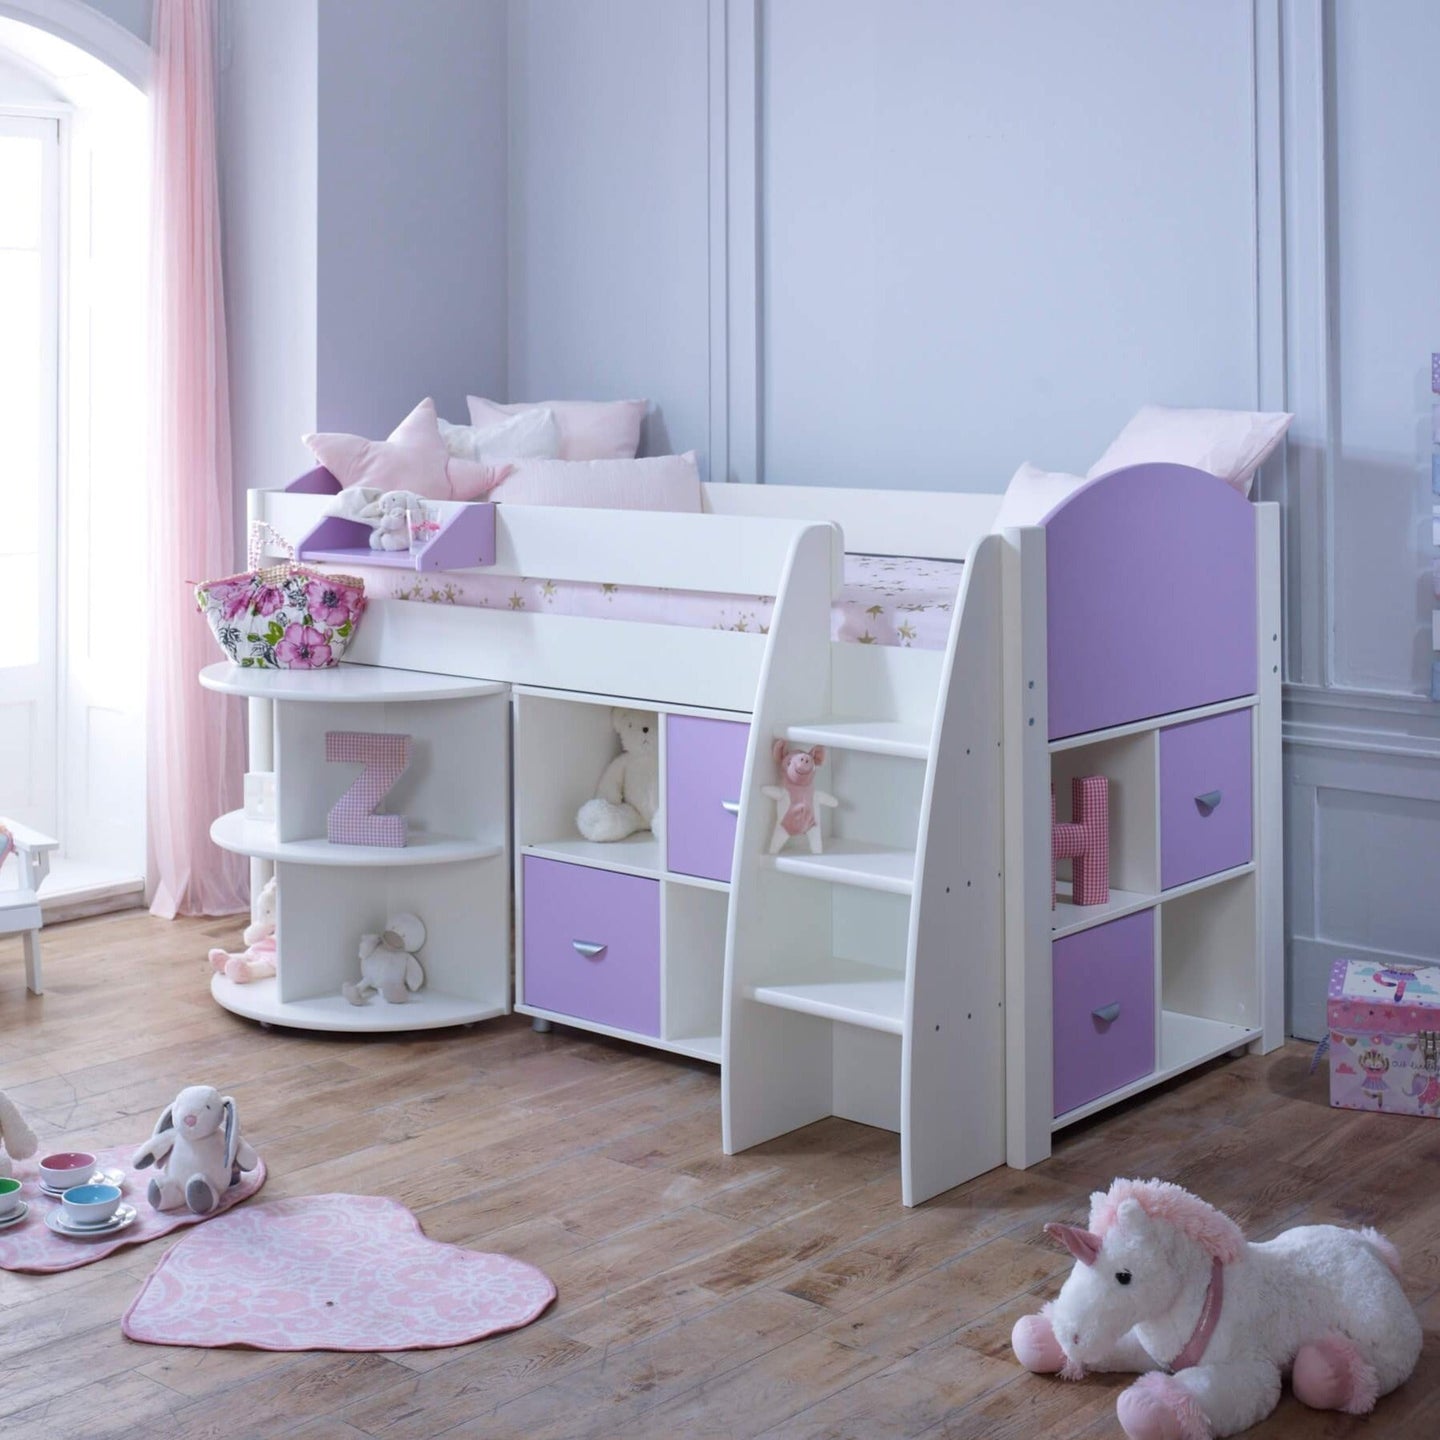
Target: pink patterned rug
column 331, row 1272
column 32, row 1245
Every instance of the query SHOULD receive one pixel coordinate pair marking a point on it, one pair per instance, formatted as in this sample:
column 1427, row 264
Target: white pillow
column 660, row 482
column 530, row 435
column 1032, row 494
column 1229, row 443
column 589, row 429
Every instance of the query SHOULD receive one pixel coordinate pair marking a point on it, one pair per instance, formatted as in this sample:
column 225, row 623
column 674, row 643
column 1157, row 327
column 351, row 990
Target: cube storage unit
column 1162, row 674
column 626, row 937
column 454, row 871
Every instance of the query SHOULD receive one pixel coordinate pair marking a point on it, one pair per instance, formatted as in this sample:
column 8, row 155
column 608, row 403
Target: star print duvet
column 885, row 600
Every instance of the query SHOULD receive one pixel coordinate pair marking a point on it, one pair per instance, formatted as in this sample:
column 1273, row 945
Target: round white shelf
column 427, row 1010
column 256, row 838
column 346, row 684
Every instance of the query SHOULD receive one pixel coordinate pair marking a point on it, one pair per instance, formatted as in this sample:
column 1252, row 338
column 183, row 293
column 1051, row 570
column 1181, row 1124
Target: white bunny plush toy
column 17, row 1139
column 199, row 1150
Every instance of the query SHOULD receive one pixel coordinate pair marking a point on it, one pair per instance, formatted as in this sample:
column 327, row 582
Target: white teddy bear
column 627, row 798
column 199, row 1150
column 388, row 966
column 387, row 514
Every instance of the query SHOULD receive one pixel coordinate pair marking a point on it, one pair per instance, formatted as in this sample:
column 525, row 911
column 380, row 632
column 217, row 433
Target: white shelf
column 701, row 1047
column 698, row 1047
column 426, row 1010
column 343, row 684
column 635, row 855
column 1068, row 919
column 855, row 993
column 1185, row 1042
column 257, row 838
column 1154, row 722
column 854, row 862
column 874, row 737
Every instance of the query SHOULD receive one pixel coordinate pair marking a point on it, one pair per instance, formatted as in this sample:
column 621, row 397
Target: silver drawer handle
column 730, row 807
column 1107, row 1014
column 1208, row 802
column 589, row 950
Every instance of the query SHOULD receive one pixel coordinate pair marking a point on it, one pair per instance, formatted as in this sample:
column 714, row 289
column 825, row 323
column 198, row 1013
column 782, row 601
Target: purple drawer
column 1204, row 797
column 1104, row 1009
column 592, row 944
column 704, row 764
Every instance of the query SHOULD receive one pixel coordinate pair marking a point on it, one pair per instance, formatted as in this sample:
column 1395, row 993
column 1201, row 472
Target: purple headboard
column 1150, row 581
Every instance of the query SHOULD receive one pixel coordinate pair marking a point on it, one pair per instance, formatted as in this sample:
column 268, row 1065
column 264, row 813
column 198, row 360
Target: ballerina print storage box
column 1385, row 1037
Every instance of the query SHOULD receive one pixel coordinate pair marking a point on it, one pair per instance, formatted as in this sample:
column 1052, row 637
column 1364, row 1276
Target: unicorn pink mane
column 1217, row 1234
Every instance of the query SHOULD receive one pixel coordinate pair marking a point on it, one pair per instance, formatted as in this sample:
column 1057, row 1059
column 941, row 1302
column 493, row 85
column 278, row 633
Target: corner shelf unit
column 453, row 871
column 624, row 938
column 465, row 539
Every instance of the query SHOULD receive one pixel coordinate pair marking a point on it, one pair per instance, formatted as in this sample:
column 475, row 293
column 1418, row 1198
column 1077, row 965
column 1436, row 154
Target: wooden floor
column 785, row 1292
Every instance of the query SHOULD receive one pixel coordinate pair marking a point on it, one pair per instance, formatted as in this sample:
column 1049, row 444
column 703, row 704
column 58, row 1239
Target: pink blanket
column 33, row 1246
column 885, row 600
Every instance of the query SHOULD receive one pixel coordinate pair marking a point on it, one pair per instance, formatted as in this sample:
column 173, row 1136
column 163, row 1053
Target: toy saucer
column 17, row 1217
column 125, row 1216
column 114, row 1176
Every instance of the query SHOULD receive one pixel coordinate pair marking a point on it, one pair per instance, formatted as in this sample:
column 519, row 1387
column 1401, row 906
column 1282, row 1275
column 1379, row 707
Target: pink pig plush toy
column 796, row 798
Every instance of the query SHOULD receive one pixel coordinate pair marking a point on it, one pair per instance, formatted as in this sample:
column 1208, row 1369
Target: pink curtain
column 196, row 739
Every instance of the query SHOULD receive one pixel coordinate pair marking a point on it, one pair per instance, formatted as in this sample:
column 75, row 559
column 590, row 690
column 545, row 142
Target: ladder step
column 874, row 737
column 854, row 862
column 848, row 991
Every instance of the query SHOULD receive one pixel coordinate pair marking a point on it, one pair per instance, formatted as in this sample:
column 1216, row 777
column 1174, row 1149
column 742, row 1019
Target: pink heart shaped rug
column 330, row 1272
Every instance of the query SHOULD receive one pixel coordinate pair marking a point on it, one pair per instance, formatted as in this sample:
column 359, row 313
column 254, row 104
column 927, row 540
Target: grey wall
column 609, row 222
column 989, row 234
column 1363, row 754
column 134, row 15
column 269, row 167
column 412, row 208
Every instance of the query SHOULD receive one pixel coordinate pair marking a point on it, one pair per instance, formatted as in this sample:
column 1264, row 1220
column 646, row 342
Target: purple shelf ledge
column 465, row 540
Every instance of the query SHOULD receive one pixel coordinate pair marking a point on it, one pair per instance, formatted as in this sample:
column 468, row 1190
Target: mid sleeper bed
column 914, row 975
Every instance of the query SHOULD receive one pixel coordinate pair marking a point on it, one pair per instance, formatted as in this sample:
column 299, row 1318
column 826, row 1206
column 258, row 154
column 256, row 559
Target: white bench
column 20, row 909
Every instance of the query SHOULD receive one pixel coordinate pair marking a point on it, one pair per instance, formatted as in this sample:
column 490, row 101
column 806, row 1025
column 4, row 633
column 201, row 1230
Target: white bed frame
column 870, row 982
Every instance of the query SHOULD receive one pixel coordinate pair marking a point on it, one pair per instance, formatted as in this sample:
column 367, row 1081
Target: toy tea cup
column 90, row 1204
column 9, row 1198
column 72, row 1167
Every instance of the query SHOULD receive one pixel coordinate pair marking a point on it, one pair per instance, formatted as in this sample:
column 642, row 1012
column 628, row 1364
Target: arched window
column 73, row 212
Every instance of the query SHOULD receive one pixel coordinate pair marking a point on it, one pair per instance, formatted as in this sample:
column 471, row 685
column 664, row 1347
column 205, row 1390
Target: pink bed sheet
column 885, row 600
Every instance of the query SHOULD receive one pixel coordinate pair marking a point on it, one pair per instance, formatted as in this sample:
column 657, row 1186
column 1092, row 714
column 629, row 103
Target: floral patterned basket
column 285, row 616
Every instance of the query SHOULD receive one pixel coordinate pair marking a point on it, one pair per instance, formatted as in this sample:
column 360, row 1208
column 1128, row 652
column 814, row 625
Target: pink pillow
column 413, row 458
column 1232, row 444
column 660, row 482
column 589, row 429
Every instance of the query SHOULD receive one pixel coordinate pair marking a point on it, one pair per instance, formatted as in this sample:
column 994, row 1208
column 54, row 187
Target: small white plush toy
column 387, row 515
column 257, row 960
column 627, row 798
column 17, row 1139
column 388, row 966
column 199, row 1151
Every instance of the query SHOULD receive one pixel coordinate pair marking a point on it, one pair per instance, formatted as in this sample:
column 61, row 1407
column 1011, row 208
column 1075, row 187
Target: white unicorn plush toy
column 1166, row 1286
